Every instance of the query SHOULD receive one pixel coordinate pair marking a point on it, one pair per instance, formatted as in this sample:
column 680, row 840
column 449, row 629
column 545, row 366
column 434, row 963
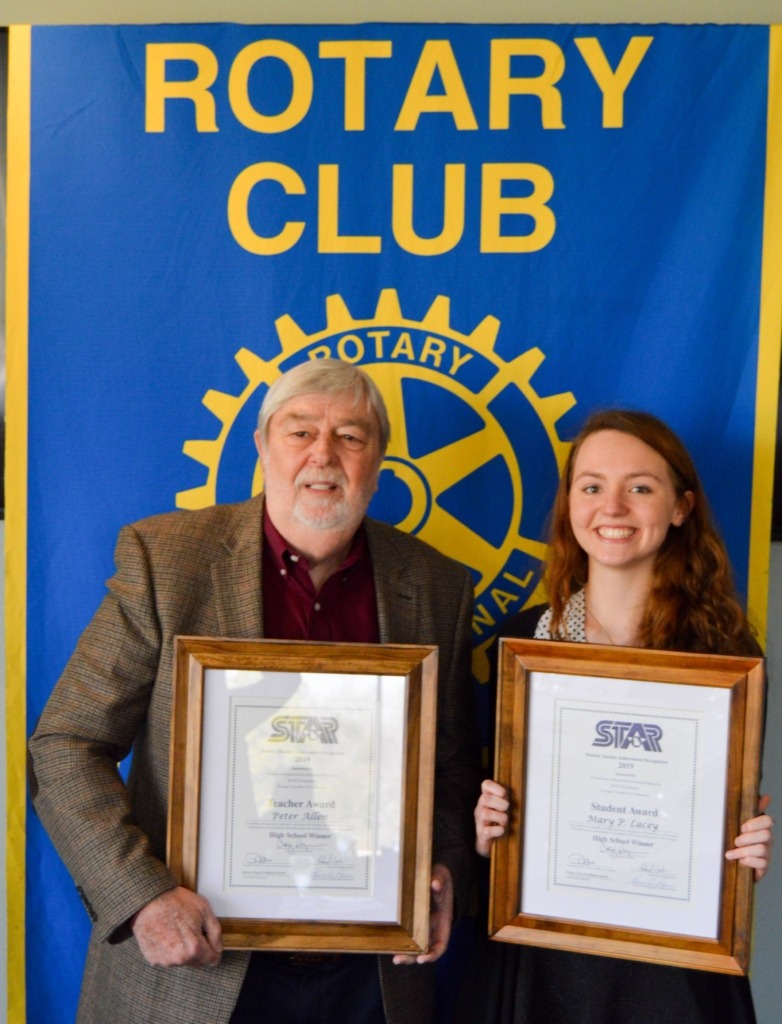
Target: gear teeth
column 518, row 371
column 256, row 369
column 221, row 405
column 438, row 316
column 556, row 406
column 388, row 309
column 338, row 316
column 202, row 451
column 481, row 667
column 485, row 335
column 525, row 366
column 196, row 497
column 290, row 334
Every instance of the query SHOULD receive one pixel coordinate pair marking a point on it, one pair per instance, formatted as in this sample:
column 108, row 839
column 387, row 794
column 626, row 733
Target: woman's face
column 622, row 500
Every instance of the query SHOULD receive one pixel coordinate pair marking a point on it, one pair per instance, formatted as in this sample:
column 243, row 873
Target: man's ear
column 258, row 444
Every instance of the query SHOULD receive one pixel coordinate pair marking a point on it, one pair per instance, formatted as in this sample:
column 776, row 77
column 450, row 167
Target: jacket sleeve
column 92, row 718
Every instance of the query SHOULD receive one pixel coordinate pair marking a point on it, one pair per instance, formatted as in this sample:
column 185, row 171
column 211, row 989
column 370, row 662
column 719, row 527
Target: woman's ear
column 684, row 505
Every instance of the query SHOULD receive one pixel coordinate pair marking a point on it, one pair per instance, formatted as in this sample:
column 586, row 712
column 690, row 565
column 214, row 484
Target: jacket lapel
column 237, row 575
column 397, row 597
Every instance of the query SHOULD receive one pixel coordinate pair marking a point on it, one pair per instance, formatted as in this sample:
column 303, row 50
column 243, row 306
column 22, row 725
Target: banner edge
column 17, row 323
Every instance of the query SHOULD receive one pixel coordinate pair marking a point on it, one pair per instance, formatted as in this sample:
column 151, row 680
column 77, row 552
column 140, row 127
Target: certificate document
column 622, row 821
column 617, row 791
column 301, row 810
column 307, row 780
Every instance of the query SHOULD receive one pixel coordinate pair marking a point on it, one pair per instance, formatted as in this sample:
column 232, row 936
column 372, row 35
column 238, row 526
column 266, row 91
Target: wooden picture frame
column 313, row 764
column 630, row 772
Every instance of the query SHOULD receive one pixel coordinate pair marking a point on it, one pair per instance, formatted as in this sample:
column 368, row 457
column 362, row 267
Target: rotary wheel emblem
column 474, row 456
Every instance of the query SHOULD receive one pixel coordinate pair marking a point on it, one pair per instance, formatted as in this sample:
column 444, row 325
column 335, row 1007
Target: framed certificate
column 301, row 791
column 630, row 772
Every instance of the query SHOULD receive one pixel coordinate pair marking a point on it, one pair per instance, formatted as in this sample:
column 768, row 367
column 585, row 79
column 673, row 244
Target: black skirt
column 514, row 984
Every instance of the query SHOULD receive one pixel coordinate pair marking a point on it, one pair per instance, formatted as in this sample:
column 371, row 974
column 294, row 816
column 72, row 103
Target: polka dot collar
column 573, row 626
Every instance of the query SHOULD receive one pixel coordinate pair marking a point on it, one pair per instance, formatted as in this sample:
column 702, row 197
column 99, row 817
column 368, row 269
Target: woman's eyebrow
column 597, row 474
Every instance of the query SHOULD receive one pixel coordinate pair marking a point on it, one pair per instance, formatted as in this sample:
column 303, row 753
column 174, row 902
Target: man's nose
column 322, row 450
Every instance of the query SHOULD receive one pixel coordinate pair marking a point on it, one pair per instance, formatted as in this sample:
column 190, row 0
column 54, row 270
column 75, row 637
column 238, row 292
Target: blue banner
column 507, row 226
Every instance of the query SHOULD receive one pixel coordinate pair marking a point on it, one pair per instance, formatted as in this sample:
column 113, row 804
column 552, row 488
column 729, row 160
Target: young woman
column 634, row 561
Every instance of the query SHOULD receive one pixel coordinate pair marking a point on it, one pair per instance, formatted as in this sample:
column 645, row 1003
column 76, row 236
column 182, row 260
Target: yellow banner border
column 17, row 295
column 769, row 346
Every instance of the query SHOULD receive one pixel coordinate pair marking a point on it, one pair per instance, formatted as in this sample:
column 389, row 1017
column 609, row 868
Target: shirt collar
column 283, row 554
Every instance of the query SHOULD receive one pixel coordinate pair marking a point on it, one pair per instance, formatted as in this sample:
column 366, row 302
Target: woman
column 634, row 561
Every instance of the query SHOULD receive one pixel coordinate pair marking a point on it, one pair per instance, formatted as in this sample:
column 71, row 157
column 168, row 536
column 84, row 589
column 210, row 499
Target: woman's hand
column 753, row 846
column 491, row 816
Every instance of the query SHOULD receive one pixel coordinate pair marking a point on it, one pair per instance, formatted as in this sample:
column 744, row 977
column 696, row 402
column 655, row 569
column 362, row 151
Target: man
column 299, row 562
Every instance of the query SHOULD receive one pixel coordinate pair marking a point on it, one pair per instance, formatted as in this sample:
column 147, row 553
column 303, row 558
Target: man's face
column 320, row 463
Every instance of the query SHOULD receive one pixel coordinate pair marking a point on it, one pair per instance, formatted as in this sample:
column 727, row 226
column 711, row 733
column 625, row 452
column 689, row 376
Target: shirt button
column 316, row 606
column 283, row 572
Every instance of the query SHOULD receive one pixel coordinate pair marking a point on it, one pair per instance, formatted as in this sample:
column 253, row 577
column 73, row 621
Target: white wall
column 3, row 920
column 53, row 12
column 3, row 928
column 766, row 979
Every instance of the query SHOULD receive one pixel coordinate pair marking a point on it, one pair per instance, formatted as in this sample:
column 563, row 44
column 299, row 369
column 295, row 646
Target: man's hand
column 440, row 918
column 178, row 929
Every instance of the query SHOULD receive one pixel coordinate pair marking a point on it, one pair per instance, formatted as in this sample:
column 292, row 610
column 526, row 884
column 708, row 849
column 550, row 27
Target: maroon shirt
column 345, row 609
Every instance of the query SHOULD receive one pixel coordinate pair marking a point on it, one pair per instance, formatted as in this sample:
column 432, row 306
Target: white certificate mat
column 310, row 775
column 625, row 802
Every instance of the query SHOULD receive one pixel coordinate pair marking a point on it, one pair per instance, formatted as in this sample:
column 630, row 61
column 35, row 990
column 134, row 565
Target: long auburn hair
column 693, row 605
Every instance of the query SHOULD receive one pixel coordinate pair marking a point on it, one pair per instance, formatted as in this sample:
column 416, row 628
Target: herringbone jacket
column 199, row 573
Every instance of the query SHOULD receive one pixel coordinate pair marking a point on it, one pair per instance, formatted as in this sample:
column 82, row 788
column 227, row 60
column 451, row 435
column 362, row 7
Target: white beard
column 330, row 513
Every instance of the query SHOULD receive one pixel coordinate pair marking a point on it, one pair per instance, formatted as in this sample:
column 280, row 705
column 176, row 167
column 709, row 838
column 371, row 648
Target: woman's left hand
column 753, row 846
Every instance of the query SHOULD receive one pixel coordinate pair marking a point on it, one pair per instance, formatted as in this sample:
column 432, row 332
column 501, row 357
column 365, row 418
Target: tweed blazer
column 199, row 573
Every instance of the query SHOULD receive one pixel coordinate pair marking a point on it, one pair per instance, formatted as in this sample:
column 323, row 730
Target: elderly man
column 300, row 561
